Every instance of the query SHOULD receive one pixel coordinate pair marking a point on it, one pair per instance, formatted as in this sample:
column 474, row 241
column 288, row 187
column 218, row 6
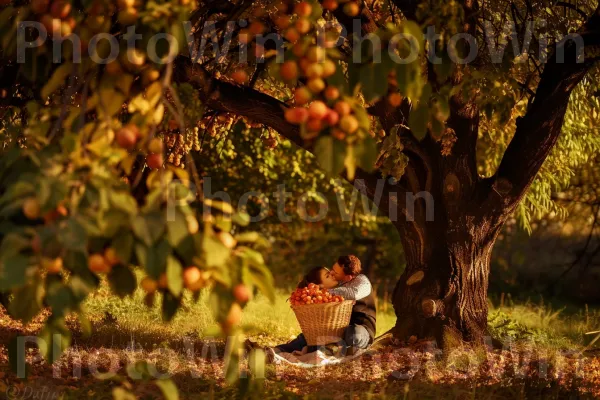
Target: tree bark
column 442, row 293
column 447, row 241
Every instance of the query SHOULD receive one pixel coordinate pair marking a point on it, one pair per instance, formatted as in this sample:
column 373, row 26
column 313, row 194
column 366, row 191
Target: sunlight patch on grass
column 271, row 324
column 267, row 323
column 544, row 324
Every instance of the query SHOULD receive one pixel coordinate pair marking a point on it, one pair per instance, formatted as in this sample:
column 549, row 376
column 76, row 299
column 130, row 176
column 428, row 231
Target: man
column 356, row 286
column 353, row 286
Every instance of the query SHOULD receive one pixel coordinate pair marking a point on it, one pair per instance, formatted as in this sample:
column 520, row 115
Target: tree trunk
column 444, row 293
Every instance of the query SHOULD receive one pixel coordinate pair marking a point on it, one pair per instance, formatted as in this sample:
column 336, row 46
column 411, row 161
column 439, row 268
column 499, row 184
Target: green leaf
column 248, row 237
column 73, row 235
column 410, row 82
column 254, row 257
column 220, row 301
column 110, row 101
column 241, row 218
column 444, row 69
column 59, row 297
column 232, row 359
column 426, row 93
column 350, row 162
column 373, row 77
column 368, row 82
column 363, row 119
column 149, row 228
column 366, row 153
column 187, row 250
column 6, row 16
column 223, row 222
column 123, row 201
column 169, row 306
column 256, row 363
column 138, row 370
column 215, row 253
column 418, row 120
column 57, row 338
column 414, row 30
column 177, row 230
column 56, row 80
column 13, row 272
column 153, row 259
column 174, row 276
column 330, row 154
column 13, row 244
column 83, row 281
column 168, row 389
column 27, row 301
column 353, row 77
column 19, row 190
column 259, row 273
column 339, row 80
column 120, row 393
column 219, row 205
column 123, row 245
column 122, row 280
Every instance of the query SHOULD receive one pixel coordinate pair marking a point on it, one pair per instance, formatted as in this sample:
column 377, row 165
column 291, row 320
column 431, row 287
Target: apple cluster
column 313, row 294
column 195, row 279
column 128, row 137
column 55, row 16
column 317, row 104
column 103, row 263
column 97, row 263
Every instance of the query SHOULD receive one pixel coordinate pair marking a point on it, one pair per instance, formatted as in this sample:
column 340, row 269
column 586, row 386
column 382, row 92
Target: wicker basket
column 323, row 323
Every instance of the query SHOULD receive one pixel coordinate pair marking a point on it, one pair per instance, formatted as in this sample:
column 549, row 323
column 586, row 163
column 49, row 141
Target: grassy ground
column 272, row 323
column 544, row 361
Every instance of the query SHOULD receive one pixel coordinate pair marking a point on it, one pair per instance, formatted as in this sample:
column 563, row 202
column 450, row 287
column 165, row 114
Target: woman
column 319, row 276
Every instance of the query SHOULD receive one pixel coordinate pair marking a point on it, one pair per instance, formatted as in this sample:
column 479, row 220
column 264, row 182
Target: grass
column 195, row 319
column 128, row 330
column 545, row 324
column 275, row 323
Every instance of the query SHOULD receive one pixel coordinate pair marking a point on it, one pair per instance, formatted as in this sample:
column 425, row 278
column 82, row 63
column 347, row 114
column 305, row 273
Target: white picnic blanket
column 310, row 360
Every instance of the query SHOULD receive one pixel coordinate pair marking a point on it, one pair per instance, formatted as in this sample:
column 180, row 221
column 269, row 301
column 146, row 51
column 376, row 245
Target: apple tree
column 449, row 134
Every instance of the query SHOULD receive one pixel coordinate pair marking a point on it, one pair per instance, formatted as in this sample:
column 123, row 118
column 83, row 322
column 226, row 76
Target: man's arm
column 358, row 288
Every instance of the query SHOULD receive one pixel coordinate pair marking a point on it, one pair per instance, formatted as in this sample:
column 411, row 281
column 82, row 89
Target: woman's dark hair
column 312, row 276
column 350, row 264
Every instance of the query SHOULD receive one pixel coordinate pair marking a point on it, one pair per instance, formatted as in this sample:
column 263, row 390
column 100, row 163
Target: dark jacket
column 364, row 313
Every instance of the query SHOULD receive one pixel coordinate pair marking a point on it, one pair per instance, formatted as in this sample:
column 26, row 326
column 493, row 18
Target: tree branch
column 538, row 131
column 239, row 100
column 572, row 7
column 267, row 110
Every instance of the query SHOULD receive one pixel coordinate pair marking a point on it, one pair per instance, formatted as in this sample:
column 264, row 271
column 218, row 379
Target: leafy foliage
column 577, row 146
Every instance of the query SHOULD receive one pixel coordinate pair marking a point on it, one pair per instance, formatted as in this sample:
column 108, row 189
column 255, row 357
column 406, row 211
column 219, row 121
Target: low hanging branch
column 239, row 100
column 267, row 110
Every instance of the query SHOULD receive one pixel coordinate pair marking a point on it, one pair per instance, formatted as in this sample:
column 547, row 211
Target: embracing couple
column 344, row 279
